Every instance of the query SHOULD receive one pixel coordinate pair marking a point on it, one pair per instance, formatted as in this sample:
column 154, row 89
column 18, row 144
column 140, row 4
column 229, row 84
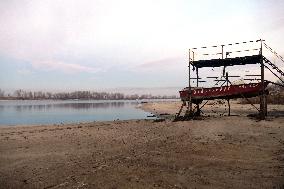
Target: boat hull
column 224, row 92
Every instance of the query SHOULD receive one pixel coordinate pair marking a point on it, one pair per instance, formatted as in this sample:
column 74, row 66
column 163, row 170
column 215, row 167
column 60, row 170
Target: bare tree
column 19, row 93
column 2, row 93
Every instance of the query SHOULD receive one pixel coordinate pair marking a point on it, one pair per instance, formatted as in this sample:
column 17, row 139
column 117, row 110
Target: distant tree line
column 82, row 95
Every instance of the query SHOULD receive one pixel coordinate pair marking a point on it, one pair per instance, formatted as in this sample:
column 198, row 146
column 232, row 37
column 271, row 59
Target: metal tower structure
column 221, row 56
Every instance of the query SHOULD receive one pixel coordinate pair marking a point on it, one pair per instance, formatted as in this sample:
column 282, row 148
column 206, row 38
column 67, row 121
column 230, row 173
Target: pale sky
column 104, row 44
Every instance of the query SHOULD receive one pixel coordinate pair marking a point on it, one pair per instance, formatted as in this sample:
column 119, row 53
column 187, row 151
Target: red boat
column 224, row 92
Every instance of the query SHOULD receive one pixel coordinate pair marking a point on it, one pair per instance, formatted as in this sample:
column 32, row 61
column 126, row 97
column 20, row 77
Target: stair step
column 273, row 66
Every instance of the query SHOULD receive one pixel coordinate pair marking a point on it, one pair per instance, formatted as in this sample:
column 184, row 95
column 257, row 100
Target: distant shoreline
column 74, row 99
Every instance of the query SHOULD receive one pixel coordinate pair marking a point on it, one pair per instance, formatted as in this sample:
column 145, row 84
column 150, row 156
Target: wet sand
column 215, row 152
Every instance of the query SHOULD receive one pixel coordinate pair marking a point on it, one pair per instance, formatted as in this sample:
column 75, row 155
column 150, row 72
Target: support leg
column 262, row 107
column 265, row 105
column 180, row 110
column 229, row 106
column 197, row 110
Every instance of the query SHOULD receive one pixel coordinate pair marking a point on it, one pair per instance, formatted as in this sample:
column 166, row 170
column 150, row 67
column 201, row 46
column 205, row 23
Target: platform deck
column 254, row 59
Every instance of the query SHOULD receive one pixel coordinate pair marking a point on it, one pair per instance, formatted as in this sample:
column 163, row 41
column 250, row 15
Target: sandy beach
column 214, row 152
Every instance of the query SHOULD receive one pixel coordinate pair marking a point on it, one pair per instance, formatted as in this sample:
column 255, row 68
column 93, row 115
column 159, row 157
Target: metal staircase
column 273, row 66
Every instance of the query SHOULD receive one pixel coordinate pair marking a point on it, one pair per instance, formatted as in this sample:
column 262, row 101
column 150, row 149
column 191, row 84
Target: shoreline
column 215, row 152
column 168, row 109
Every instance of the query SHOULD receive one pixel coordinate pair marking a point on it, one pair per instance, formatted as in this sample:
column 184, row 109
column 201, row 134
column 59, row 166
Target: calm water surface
column 16, row 112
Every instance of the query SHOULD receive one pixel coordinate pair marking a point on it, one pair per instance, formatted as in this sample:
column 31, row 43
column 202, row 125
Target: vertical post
column 262, row 96
column 227, row 79
column 265, row 105
column 189, row 107
column 197, row 79
column 228, row 100
column 222, row 51
column 197, row 84
column 190, row 87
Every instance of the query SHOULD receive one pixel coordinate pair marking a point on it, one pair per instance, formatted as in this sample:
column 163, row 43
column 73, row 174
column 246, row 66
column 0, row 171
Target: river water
column 31, row 112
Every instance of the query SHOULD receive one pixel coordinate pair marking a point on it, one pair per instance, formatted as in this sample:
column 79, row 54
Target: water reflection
column 91, row 105
column 69, row 105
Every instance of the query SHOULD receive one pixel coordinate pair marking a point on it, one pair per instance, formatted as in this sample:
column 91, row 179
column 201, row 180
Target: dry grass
column 273, row 98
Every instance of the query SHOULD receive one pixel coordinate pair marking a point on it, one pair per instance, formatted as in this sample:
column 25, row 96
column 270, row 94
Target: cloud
column 162, row 64
column 51, row 65
column 24, row 71
column 124, row 36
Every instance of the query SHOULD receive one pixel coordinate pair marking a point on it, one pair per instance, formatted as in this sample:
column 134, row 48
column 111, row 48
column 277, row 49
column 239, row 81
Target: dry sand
column 216, row 152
